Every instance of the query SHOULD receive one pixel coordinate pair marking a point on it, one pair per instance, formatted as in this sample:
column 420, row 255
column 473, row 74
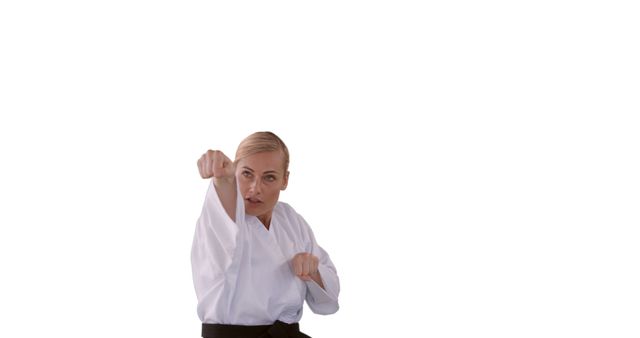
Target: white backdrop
column 471, row 167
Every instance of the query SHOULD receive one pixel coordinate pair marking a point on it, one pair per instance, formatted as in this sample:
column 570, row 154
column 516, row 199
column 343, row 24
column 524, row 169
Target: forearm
column 227, row 193
column 322, row 297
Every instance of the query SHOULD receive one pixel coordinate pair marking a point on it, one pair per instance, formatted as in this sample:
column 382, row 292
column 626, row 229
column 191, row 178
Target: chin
column 259, row 211
column 252, row 213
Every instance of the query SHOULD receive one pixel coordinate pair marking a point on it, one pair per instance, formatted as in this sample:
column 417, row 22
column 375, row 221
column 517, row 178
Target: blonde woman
column 254, row 259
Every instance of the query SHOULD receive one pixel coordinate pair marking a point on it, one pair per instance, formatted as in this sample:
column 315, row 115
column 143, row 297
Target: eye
column 246, row 173
column 270, row 178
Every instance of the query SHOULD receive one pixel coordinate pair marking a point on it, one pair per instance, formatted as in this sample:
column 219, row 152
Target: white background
column 470, row 166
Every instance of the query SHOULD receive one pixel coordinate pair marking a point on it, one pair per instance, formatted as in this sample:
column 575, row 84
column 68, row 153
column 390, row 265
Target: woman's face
column 261, row 177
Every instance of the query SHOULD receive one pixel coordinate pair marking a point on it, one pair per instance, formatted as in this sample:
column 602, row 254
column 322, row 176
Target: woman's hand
column 215, row 163
column 305, row 266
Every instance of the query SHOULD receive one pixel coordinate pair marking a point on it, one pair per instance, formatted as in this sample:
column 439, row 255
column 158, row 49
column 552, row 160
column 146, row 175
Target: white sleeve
column 322, row 301
column 213, row 252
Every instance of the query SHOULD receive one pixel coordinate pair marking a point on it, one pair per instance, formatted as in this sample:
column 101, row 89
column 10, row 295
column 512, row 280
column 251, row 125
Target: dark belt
column 276, row 330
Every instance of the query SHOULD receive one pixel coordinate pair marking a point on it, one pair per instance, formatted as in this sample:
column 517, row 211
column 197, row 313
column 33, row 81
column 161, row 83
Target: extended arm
column 216, row 244
column 216, row 165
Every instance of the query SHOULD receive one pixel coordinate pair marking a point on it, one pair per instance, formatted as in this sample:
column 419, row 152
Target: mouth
column 253, row 201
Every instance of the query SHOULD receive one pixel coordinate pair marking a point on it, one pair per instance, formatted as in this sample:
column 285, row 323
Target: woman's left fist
column 305, row 266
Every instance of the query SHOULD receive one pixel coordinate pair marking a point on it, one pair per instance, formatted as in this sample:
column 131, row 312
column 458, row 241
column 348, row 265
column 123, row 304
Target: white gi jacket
column 242, row 273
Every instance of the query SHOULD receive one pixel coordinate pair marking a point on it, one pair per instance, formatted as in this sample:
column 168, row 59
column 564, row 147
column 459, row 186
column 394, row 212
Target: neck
column 265, row 219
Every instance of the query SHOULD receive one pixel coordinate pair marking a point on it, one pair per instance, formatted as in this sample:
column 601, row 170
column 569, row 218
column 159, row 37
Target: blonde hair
column 260, row 142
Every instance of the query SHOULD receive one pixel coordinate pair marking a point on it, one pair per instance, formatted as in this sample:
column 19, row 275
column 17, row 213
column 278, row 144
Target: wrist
column 317, row 278
column 223, row 181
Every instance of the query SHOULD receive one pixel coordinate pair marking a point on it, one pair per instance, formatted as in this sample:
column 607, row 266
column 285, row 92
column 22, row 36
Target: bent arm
column 322, row 297
column 324, row 288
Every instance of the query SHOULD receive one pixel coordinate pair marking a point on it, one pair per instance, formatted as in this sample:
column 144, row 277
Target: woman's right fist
column 215, row 163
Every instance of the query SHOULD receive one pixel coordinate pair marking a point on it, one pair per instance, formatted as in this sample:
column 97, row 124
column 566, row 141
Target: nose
column 254, row 187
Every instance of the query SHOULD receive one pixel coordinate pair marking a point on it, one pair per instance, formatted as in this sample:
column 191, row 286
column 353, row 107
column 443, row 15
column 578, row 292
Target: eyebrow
column 266, row 172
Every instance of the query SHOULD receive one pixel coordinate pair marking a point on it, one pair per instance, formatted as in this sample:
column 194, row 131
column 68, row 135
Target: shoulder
column 290, row 216
column 286, row 211
column 284, row 207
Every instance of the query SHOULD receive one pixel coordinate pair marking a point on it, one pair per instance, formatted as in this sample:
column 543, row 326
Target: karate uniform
column 242, row 272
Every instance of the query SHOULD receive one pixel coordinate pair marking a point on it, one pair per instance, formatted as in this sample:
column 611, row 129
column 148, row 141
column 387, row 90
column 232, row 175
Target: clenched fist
column 305, row 266
column 215, row 163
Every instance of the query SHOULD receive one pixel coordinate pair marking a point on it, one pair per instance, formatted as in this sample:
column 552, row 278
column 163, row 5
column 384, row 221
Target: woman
column 254, row 259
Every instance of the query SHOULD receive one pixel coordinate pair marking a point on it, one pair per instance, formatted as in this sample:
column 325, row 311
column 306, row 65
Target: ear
column 285, row 181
